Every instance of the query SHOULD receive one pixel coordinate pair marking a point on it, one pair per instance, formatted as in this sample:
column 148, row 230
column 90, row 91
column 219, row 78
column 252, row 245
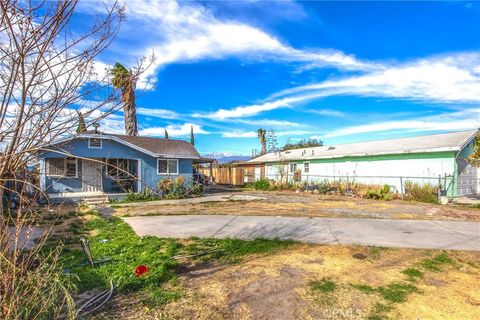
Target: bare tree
column 47, row 72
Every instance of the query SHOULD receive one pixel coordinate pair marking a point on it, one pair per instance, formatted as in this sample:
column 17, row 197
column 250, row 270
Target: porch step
column 95, row 200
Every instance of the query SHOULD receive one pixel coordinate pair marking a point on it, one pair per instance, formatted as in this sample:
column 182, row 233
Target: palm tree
column 263, row 140
column 126, row 81
column 192, row 138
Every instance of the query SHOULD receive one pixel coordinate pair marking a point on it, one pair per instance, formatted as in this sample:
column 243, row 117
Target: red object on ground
column 141, row 269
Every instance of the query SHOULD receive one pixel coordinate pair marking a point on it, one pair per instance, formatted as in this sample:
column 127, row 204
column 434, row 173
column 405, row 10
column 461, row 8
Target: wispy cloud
column 440, row 79
column 253, row 134
column 185, row 32
column 158, row 113
column 451, row 78
column 239, row 134
column 174, row 130
column 466, row 119
column 327, row 112
column 252, row 110
column 270, row 123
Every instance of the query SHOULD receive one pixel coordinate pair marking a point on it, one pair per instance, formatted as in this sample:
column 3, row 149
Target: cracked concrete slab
column 423, row 234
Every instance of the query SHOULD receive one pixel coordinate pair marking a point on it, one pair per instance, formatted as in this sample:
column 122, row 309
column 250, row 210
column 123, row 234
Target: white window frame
column 168, row 167
column 308, row 167
column 95, row 147
column 119, row 172
column 292, row 165
column 47, row 168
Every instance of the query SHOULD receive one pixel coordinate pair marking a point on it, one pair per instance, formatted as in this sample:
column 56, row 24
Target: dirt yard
column 305, row 204
column 324, row 282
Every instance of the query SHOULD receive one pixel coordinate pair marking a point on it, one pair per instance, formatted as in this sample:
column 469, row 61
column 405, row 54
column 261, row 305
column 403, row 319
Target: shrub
column 197, row 189
column 145, row 195
column 422, row 193
column 262, row 184
column 380, row 193
column 324, row 186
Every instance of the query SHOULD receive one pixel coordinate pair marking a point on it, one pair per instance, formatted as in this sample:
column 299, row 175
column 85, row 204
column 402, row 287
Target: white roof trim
column 454, row 142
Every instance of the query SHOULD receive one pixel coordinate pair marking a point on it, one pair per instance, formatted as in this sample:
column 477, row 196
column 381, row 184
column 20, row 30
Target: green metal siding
column 403, row 156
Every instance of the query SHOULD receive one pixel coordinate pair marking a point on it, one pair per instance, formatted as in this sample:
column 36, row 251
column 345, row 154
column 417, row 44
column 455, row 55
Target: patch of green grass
column 232, row 250
column 437, row 262
column 413, row 274
column 364, row 288
column 75, row 227
column 396, row 292
column 324, row 285
column 115, row 240
column 379, row 311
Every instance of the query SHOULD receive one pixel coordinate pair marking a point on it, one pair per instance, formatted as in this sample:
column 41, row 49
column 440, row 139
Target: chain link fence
column 445, row 183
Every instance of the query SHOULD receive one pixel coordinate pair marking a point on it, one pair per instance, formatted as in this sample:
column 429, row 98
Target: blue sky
column 337, row 71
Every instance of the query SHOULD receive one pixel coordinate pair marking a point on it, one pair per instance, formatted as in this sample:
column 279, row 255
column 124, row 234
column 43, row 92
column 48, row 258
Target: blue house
column 95, row 163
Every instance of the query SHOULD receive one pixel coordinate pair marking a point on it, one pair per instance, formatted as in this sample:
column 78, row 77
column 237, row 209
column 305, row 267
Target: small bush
column 379, row 193
column 262, row 184
column 145, row 195
column 324, row 186
column 423, row 193
column 197, row 189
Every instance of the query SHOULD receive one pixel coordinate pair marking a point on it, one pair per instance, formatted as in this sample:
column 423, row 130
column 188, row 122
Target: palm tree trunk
column 130, row 113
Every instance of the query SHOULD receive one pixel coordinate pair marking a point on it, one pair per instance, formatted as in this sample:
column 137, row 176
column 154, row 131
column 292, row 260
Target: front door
column 91, row 176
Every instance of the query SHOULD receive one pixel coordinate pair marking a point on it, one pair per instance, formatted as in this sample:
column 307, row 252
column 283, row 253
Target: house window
column 95, row 143
column 118, row 167
column 293, row 167
column 167, row 166
column 62, row 167
column 306, row 167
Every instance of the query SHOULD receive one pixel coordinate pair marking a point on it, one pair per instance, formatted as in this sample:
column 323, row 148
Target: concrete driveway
column 452, row 235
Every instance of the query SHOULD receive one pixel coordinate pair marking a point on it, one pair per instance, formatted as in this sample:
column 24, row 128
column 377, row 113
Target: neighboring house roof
column 452, row 141
column 155, row 147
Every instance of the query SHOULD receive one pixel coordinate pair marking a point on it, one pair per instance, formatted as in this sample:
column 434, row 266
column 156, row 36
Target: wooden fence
column 226, row 175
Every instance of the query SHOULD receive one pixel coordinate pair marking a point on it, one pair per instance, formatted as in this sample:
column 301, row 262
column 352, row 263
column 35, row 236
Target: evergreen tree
column 192, row 138
column 82, row 127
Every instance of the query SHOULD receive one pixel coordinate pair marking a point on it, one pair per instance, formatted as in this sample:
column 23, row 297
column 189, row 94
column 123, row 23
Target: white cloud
column 461, row 120
column 446, row 79
column 186, row 32
column 327, row 112
column 158, row 113
column 239, row 134
column 270, row 123
column 253, row 134
column 174, row 130
column 246, row 111
column 440, row 79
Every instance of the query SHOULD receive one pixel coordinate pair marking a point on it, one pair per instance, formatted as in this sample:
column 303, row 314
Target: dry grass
column 278, row 286
column 291, row 204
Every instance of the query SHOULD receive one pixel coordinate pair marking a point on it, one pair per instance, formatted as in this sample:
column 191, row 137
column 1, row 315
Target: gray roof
column 157, row 147
column 452, row 141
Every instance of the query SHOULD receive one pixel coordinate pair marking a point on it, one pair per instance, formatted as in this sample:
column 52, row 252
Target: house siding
column 466, row 176
column 381, row 169
column 110, row 149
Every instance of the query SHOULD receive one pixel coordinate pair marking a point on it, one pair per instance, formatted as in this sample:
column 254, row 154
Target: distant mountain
column 224, row 157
